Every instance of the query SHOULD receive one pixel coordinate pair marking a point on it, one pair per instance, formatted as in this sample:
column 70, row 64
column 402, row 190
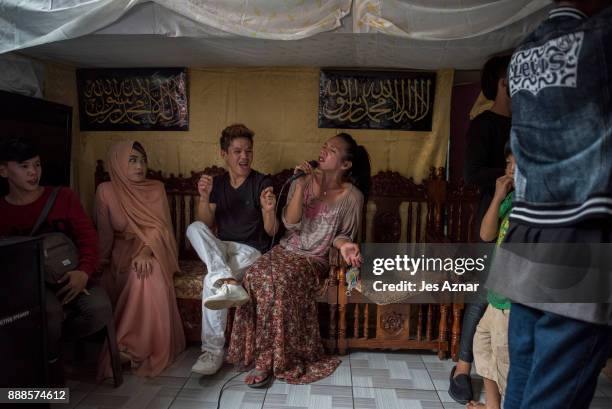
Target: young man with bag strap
column 73, row 303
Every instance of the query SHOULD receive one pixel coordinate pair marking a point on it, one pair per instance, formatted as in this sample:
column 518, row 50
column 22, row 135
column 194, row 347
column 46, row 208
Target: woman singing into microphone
column 277, row 331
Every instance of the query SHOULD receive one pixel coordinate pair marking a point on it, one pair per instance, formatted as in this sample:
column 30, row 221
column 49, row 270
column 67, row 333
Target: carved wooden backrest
column 406, row 211
column 436, row 188
column 462, row 213
column 389, row 191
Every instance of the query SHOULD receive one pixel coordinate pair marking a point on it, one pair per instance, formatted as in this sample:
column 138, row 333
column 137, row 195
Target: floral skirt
column 278, row 329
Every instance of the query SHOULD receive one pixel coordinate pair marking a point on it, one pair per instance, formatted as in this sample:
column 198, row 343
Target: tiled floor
column 365, row 380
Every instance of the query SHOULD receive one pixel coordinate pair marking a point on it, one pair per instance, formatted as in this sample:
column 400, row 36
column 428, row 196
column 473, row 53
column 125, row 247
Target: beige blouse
column 322, row 224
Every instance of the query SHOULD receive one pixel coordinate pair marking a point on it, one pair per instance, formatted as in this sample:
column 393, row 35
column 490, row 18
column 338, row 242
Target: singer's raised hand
column 306, row 168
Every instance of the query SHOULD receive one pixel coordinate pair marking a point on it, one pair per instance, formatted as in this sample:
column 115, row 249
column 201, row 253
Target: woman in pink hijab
column 139, row 257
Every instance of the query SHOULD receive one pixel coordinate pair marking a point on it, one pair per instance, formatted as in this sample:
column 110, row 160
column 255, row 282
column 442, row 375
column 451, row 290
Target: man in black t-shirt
column 240, row 204
column 485, row 162
column 487, row 135
column 238, row 211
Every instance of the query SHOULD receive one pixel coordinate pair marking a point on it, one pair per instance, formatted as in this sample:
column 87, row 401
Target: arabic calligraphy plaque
column 133, row 99
column 401, row 100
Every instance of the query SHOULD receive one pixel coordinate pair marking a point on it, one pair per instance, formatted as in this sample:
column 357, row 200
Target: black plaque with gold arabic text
column 133, row 99
column 401, row 100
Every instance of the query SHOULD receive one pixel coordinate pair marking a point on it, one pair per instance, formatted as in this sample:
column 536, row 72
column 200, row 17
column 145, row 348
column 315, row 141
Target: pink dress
column 149, row 328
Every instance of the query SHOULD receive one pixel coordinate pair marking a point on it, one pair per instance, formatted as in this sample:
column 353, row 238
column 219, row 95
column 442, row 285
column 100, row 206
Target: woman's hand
column 351, row 254
column 307, row 169
column 143, row 263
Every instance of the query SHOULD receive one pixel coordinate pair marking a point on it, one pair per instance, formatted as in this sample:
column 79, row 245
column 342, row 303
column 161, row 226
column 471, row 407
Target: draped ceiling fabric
column 32, row 22
column 440, row 20
column 423, row 34
column 21, row 75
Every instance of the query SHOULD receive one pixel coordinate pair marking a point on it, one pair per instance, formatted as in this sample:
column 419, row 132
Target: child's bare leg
column 492, row 396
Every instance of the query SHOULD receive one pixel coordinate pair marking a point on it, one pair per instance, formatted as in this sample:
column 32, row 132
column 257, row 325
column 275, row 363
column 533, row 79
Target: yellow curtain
column 280, row 105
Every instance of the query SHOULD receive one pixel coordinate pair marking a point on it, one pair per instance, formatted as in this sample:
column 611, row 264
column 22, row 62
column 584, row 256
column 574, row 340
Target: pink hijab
column 146, row 206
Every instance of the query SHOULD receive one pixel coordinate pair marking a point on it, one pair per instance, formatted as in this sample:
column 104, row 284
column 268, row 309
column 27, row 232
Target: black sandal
column 460, row 388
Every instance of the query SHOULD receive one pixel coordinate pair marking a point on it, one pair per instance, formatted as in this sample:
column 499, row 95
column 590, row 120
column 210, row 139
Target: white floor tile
column 380, row 398
column 181, row 367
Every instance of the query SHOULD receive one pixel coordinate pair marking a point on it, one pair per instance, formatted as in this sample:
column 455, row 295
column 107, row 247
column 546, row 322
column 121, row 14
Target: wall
column 279, row 104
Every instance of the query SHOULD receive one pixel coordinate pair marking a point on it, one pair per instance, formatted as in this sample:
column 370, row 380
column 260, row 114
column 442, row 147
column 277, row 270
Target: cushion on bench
column 188, row 281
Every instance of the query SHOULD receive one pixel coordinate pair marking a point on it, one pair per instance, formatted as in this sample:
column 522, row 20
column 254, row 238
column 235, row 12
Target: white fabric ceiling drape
column 439, row 20
column 21, row 75
column 26, row 23
column 426, row 34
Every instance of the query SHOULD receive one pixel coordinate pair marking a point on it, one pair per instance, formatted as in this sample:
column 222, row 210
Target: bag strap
column 45, row 210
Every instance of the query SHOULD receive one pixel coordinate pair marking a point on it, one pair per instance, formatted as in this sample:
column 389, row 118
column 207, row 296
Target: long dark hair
column 359, row 173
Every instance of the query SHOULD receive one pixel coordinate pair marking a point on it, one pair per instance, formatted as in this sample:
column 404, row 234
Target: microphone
column 300, row 173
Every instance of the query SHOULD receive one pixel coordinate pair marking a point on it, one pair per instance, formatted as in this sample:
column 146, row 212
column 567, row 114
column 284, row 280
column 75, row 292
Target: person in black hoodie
column 485, row 162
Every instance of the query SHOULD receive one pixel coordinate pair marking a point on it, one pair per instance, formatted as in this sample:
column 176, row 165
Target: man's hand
column 77, row 280
column 267, row 199
column 205, row 185
column 351, row 254
column 143, row 263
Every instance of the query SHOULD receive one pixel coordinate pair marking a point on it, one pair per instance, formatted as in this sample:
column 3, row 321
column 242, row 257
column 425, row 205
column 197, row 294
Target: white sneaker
column 208, row 363
column 229, row 295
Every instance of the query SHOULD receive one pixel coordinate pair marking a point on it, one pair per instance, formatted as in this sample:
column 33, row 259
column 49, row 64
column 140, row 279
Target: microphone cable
column 226, row 384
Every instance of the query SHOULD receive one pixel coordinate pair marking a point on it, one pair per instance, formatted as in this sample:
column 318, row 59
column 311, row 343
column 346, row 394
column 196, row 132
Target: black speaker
column 23, row 347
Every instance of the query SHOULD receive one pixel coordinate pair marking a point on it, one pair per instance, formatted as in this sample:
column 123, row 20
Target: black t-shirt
column 485, row 161
column 238, row 213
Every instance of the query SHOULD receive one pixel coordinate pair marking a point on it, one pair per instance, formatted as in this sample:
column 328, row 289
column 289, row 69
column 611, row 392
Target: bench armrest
column 337, row 266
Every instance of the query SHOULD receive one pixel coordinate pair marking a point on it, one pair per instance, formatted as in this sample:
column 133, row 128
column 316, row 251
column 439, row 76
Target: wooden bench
column 183, row 200
column 398, row 210
column 402, row 211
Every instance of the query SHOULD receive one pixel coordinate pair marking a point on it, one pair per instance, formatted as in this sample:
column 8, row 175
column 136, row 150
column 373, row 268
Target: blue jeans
column 472, row 314
column 554, row 360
